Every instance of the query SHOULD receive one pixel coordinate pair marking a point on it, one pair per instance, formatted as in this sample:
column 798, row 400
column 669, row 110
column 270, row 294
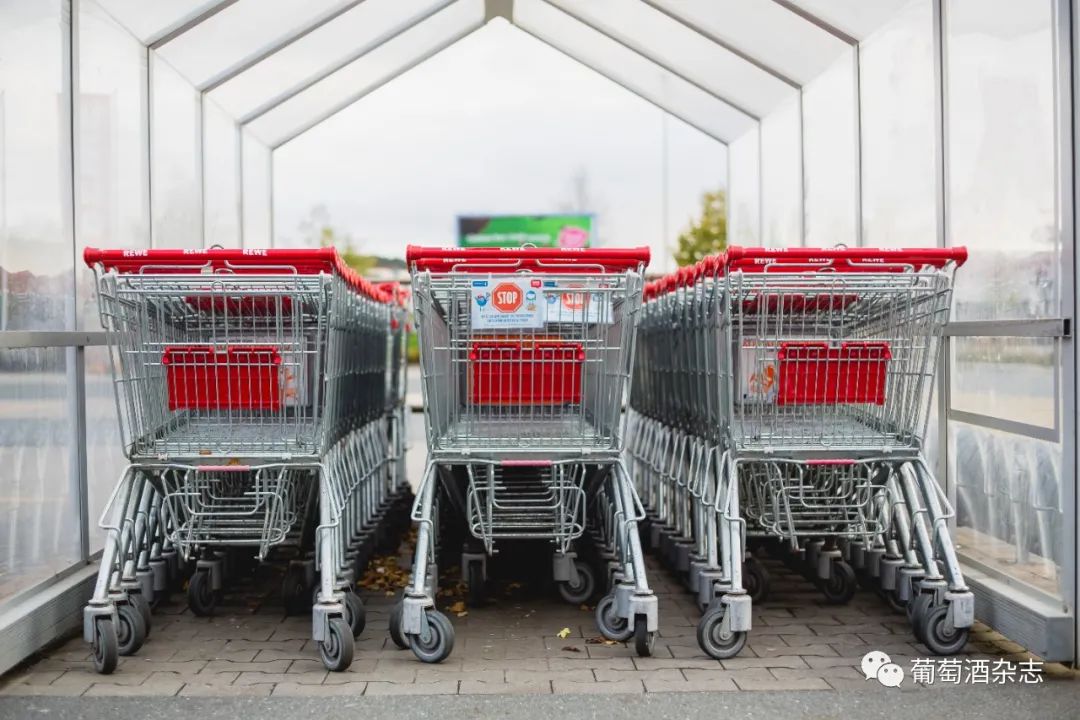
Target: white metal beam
column 817, row 21
column 281, row 43
column 716, row 40
column 367, row 90
column 498, row 8
column 654, row 60
column 600, row 71
column 329, row 70
column 181, row 26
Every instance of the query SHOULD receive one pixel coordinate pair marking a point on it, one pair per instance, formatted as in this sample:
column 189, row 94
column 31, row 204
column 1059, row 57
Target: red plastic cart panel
column 815, row 373
column 521, row 373
column 244, row 377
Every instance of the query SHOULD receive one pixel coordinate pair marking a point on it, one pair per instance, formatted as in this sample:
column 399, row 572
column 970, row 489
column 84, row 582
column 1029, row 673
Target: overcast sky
column 498, row 123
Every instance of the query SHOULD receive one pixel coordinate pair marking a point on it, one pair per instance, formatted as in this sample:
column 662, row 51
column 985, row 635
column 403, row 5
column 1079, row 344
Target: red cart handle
column 304, row 261
column 564, row 260
column 840, row 259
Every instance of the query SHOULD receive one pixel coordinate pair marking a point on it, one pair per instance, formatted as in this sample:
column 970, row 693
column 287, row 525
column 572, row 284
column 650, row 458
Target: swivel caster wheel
column 130, row 629
column 435, row 643
column 355, row 614
column 716, row 641
column 610, row 625
column 202, row 599
column 938, row 635
column 106, row 646
column 582, row 590
column 140, row 603
column 841, row 584
column 756, row 579
column 336, row 651
column 399, row 638
column 917, row 611
column 644, row 640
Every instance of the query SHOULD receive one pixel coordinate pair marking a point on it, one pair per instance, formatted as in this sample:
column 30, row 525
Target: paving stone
column 668, row 675
column 385, row 675
column 777, row 661
column 273, row 666
column 566, row 687
column 38, row 677
column 697, row 663
column 224, row 690
column 520, row 676
column 718, row 684
column 156, row 688
column 290, row 689
column 586, row 663
column 476, row 687
column 70, row 690
column 259, row 678
column 444, row 687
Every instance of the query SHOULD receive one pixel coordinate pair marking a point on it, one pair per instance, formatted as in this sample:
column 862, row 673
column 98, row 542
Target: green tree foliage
column 708, row 234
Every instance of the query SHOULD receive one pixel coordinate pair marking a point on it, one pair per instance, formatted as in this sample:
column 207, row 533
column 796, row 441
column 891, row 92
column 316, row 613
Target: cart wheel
column 355, row 614
column 336, row 651
column 477, row 590
column 143, row 606
column 840, row 587
column 938, row 636
column 889, row 596
column 401, row 640
column 130, row 630
column 755, row 579
column 643, row 639
column 201, row 598
column 714, row 640
column 579, row 592
column 435, row 643
column 866, row 580
column 294, row 591
column 612, row 626
column 106, row 651
column 917, row 611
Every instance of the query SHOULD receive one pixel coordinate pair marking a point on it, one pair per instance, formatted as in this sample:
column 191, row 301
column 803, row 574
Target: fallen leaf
column 457, row 607
column 584, row 607
column 600, row 641
column 564, row 633
column 571, row 648
column 463, row 613
column 389, row 593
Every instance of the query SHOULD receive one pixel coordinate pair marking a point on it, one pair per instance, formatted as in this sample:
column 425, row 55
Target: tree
column 318, row 230
column 708, row 234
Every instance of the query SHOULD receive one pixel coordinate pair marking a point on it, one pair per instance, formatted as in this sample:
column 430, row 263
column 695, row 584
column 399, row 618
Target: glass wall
column 829, row 147
column 113, row 211
column 175, row 158
column 257, row 174
column 781, row 176
column 744, row 183
column 1002, row 204
column 38, row 504
column 221, row 168
column 896, row 68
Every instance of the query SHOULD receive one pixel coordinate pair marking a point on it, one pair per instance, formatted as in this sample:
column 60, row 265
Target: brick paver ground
column 512, row 646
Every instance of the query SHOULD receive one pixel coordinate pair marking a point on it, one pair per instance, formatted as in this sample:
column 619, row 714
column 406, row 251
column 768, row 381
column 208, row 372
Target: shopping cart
column 817, row 366
column 525, row 358
column 251, row 392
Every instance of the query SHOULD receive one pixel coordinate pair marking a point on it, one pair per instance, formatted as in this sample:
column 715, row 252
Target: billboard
column 517, row 230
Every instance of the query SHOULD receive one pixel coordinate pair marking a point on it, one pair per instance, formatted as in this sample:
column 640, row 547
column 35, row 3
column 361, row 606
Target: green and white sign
column 573, row 231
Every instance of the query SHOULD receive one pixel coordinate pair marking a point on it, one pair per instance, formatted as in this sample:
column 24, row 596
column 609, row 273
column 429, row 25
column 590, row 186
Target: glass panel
column 295, row 66
column 39, row 535
column 363, row 75
column 221, row 168
column 465, row 127
column 150, row 18
column 857, row 18
column 112, row 164
column 1010, row 378
column 36, row 259
column 176, row 188
column 765, row 31
column 896, row 72
column 829, row 155
column 1009, row 504
column 781, row 177
column 1001, row 154
column 257, row 185
column 239, row 32
column 633, row 71
column 744, row 206
column 690, row 54
column 105, row 459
